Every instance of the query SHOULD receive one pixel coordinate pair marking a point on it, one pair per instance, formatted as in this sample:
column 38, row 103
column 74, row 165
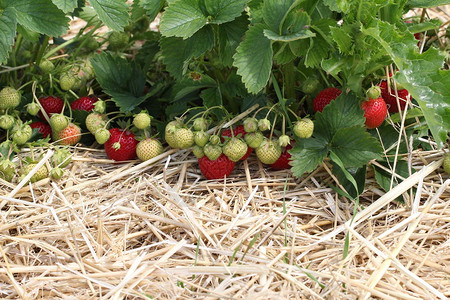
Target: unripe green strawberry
column 94, row 122
column 200, row 124
column 61, row 158
column 27, row 54
column 58, row 122
column 250, row 124
column 41, row 173
column 7, row 169
column 142, row 120
column 374, row 92
column 198, row 151
column 264, row 124
column 33, row 108
column 22, row 135
column 304, row 128
column 254, row 139
column 79, row 83
column 118, row 40
column 268, row 152
column 310, row 85
column 284, row 140
column 100, row 106
column 9, row 98
column 201, row 138
column 148, row 149
column 46, row 66
column 214, row 139
column 6, row 122
column 91, row 44
column 447, row 163
column 56, row 173
column 184, row 138
column 212, row 151
column 102, row 135
column 169, row 133
column 235, row 148
column 67, row 81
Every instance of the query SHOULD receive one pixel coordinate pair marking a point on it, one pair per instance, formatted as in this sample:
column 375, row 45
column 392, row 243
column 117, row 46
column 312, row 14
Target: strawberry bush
column 346, row 80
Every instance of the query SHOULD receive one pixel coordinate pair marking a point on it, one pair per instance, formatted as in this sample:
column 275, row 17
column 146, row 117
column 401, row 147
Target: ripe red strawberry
column 238, row 131
column 84, row 103
column 391, row 100
column 375, row 111
column 216, row 169
column 51, row 105
column 43, row 128
column 283, row 162
column 68, row 136
column 121, row 145
column 325, row 97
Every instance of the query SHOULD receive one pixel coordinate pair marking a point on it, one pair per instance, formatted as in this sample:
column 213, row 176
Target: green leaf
column 28, row 34
column 424, row 26
column 349, row 177
column 124, row 81
column 383, row 177
column 89, row 15
column 152, row 7
column 274, row 12
column 182, row 18
column 229, row 36
column 427, row 3
column 319, row 46
column 253, row 59
column 233, row 87
column 343, row 112
column 39, row 15
column 8, row 25
column 342, row 39
column 187, row 85
column 307, row 155
column 222, row 11
column 255, row 11
column 420, row 74
column 355, row 146
column 211, row 97
column 66, row 5
column 112, row 12
column 178, row 52
column 288, row 38
column 284, row 54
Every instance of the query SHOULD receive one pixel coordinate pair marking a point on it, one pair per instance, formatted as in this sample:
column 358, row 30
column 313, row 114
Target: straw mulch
column 140, row 230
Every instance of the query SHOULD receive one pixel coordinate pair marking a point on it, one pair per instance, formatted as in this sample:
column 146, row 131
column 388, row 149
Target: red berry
column 238, row 131
column 324, row 97
column 391, row 100
column 43, row 128
column 51, row 105
column 283, row 162
column 375, row 111
column 84, row 103
column 127, row 142
column 216, row 169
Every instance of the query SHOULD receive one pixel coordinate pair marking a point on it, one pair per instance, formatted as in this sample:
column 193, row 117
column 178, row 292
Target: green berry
column 198, row 151
column 310, row 85
column 118, row 40
column 33, row 108
column 284, row 140
column 447, row 163
column 374, row 92
column 169, row 133
column 9, row 98
column 148, row 149
column 61, row 158
column 268, row 152
column 102, row 135
column 264, row 124
column 46, row 66
column 184, row 138
column 304, row 128
column 7, row 169
column 200, row 124
column 7, row 122
column 56, row 173
column 254, row 139
column 58, row 122
column 142, row 120
column 100, row 106
column 235, row 148
column 212, row 151
column 91, row 44
column 94, row 122
column 201, row 138
column 67, row 81
column 22, row 135
column 214, row 139
column 41, row 173
column 250, row 124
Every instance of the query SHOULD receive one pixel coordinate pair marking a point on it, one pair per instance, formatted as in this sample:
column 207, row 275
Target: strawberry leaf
column 253, row 59
column 122, row 80
column 307, row 155
column 113, row 13
column 8, row 24
column 222, row 11
column 229, row 36
column 152, row 7
column 274, row 12
column 66, row 5
column 427, row 3
column 182, row 19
